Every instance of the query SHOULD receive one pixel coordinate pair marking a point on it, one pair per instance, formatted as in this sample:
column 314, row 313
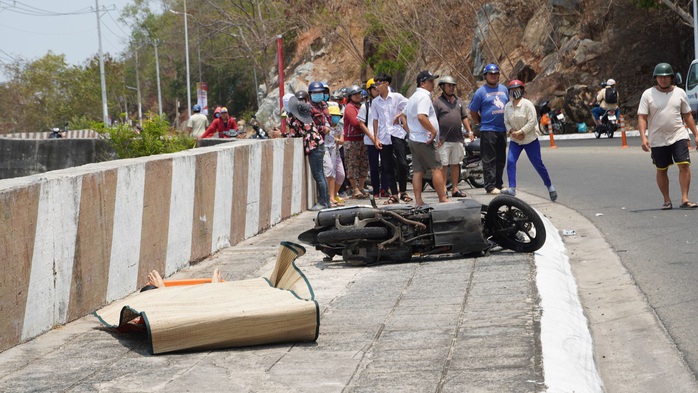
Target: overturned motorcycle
column 367, row 234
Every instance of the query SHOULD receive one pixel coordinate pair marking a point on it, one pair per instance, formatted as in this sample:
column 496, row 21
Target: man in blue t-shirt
column 487, row 109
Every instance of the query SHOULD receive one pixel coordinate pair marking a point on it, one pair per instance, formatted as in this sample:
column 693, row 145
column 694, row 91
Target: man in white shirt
column 423, row 131
column 392, row 143
column 197, row 122
column 662, row 113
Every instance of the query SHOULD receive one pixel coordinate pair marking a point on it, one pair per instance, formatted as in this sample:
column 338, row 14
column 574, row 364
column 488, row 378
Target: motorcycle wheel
column 344, row 234
column 609, row 134
column 477, row 178
column 514, row 224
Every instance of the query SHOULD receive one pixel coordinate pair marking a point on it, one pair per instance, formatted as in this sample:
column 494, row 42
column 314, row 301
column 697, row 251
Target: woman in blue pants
column 521, row 122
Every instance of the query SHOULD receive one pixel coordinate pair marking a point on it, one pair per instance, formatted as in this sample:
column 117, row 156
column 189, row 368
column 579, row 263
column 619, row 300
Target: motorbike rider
column 608, row 99
column 225, row 126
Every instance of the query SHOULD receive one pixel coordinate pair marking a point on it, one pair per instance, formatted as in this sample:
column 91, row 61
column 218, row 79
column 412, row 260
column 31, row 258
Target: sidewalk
column 434, row 324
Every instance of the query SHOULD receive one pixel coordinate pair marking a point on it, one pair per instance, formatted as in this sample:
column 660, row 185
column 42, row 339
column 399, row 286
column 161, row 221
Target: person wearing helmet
column 197, row 123
column 355, row 152
column 321, row 117
column 225, row 126
column 333, row 166
column 607, row 98
column 520, row 120
column 452, row 115
column 661, row 115
column 391, row 143
column 299, row 124
column 325, row 91
column 424, row 133
column 487, row 109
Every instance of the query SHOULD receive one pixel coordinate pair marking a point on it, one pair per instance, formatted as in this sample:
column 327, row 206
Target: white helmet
column 610, row 82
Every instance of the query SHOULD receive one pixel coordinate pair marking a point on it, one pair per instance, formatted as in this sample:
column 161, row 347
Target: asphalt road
column 616, row 190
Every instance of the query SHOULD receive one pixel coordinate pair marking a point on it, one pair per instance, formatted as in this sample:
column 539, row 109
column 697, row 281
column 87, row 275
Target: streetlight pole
column 157, row 73
column 186, row 44
column 105, row 111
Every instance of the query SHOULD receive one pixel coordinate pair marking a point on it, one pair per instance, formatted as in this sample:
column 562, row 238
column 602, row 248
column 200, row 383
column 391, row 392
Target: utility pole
column 105, row 111
column 186, row 44
column 138, row 91
column 157, row 72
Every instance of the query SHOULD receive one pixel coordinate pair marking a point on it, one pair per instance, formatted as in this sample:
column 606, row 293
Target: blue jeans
column 533, row 153
column 315, row 159
column 597, row 112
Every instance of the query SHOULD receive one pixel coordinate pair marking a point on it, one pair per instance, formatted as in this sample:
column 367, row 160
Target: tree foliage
column 155, row 137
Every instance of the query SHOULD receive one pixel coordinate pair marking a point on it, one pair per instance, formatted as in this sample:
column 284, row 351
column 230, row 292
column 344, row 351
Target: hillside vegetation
column 552, row 45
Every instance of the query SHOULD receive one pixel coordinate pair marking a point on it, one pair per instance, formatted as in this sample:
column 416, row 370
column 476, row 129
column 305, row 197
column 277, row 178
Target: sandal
column 459, row 194
column 405, row 197
column 359, row 195
column 392, row 200
column 667, row 206
column 688, row 205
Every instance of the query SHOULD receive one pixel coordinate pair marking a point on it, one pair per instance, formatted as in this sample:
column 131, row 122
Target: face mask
column 336, row 119
column 517, row 93
column 317, row 97
column 326, row 97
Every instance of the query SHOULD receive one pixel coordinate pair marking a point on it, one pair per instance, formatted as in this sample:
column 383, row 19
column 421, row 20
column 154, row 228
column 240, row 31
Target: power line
column 8, row 55
column 24, row 9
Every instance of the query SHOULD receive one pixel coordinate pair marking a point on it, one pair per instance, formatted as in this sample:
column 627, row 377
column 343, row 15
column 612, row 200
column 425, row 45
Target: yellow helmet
column 370, row 83
column 334, row 111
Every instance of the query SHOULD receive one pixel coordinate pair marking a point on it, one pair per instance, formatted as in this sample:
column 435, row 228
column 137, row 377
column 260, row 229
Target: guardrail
column 75, row 239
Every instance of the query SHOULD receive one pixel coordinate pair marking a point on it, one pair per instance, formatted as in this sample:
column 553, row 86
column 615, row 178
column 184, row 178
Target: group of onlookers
column 355, row 131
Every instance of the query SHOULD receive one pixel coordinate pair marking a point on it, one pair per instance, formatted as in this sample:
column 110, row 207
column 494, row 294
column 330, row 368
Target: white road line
column 568, row 352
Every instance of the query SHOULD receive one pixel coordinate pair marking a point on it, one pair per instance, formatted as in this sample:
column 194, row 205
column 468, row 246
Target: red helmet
column 514, row 84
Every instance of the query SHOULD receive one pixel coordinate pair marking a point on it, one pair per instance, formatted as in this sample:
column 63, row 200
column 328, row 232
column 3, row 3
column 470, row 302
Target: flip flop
column 667, row 206
column 392, row 200
column 458, row 194
column 688, row 205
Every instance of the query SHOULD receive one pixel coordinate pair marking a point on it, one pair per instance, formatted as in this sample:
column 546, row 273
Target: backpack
column 611, row 96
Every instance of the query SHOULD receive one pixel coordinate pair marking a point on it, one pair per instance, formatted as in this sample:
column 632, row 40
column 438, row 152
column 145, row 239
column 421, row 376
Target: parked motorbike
column 57, row 133
column 259, row 131
column 471, row 168
column 368, row 234
column 609, row 124
column 556, row 118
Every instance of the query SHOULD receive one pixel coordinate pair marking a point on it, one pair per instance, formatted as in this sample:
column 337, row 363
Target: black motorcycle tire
column 346, row 234
column 609, row 134
column 597, row 133
column 519, row 217
column 477, row 181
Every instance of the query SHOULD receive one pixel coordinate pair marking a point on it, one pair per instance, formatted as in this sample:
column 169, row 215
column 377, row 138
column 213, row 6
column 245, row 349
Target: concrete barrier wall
column 19, row 157
column 73, row 240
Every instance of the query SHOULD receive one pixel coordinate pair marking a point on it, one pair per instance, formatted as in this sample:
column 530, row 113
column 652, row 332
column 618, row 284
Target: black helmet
column 353, row 89
column 302, row 95
column 663, row 69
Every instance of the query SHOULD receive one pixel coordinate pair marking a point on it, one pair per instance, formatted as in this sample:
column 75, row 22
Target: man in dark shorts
column 662, row 113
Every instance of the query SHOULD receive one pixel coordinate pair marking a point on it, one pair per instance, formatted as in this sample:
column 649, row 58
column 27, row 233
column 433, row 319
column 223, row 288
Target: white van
column 692, row 85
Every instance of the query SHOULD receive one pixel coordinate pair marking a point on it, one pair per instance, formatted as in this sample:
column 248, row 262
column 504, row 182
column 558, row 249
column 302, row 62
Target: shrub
column 155, row 137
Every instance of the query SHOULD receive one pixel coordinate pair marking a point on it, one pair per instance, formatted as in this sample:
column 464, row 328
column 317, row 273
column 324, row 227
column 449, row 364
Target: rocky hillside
column 562, row 49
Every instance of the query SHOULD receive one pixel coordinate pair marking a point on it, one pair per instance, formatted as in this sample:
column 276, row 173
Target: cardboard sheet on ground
column 278, row 307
